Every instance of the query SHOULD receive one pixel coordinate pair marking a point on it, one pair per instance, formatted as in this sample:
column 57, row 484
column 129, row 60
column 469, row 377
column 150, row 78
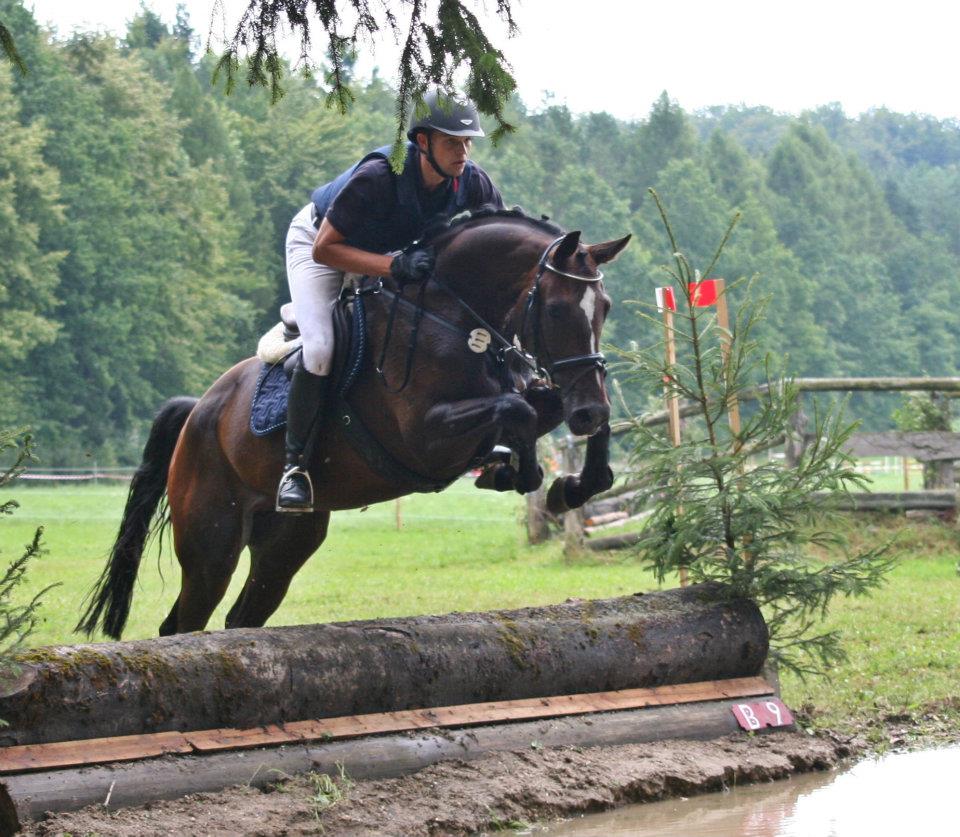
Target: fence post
column 538, row 529
column 938, row 473
column 796, row 441
column 573, row 519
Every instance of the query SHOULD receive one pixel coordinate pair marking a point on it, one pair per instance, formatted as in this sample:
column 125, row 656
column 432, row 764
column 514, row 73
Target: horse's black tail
column 114, row 589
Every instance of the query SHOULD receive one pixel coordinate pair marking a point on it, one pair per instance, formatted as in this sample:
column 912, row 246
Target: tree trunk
column 538, row 524
column 573, row 519
column 249, row 677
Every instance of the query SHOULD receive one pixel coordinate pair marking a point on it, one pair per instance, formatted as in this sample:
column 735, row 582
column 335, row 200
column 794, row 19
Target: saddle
column 269, row 409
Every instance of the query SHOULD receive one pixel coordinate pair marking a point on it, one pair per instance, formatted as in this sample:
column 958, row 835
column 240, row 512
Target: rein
column 411, row 343
column 505, row 347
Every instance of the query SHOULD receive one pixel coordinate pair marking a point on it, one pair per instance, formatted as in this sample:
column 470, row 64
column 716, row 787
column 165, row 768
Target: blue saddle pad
column 268, row 413
column 269, row 410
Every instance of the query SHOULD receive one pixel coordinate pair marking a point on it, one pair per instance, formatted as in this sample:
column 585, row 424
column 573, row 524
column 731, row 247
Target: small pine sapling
column 720, row 511
column 17, row 621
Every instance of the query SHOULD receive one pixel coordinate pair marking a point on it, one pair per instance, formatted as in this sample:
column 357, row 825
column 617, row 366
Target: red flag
column 665, row 299
column 703, row 294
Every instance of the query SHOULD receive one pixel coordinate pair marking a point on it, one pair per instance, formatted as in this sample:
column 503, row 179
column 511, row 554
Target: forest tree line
column 143, row 214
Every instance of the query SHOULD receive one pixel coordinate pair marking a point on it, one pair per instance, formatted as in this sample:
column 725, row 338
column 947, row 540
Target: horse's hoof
column 556, row 497
column 527, row 486
column 497, row 478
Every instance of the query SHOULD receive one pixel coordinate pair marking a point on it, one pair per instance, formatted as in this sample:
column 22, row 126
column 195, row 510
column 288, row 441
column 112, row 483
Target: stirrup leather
column 295, row 471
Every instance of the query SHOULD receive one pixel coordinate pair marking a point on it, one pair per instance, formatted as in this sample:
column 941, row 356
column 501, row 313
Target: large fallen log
column 247, row 678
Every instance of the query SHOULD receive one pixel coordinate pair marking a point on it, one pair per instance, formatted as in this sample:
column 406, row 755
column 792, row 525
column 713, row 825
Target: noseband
column 531, row 310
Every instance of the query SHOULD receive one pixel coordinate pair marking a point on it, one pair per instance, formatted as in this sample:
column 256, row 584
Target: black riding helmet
column 447, row 115
column 459, row 119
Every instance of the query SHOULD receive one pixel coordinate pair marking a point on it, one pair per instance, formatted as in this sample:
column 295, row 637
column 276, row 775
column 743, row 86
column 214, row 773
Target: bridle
column 501, row 348
column 531, row 311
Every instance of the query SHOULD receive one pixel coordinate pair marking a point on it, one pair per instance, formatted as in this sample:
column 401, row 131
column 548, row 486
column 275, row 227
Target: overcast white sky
column 618, row 56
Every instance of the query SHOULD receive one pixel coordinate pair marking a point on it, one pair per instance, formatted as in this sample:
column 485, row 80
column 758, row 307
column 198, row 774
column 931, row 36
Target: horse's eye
column 556, row 310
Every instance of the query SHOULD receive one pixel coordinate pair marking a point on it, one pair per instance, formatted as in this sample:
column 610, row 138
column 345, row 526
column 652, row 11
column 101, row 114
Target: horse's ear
column 609, row 250
column 567, row 247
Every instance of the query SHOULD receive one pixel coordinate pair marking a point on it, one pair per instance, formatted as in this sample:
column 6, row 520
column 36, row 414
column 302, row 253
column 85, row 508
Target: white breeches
column 314, row 289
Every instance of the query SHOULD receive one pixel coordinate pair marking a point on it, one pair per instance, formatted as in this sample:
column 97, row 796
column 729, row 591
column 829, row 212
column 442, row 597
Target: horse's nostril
column 586, row 420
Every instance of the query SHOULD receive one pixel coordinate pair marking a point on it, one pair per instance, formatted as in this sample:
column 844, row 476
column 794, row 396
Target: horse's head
column 562, row 324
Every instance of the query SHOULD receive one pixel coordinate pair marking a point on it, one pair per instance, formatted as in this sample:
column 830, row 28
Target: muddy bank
column 464, row 798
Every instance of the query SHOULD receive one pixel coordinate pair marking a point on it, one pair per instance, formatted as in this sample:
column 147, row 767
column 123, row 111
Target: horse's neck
column 493, row 278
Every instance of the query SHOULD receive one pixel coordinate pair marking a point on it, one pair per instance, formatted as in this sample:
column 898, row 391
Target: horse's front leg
column 499, row 473
column 547, row 402
column 573, row 490
column 506, row 417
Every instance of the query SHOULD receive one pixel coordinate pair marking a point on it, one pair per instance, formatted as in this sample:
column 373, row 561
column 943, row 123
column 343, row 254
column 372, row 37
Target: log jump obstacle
column 130, row 722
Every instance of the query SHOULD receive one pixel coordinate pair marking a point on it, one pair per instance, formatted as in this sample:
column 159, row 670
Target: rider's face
column 450, row 152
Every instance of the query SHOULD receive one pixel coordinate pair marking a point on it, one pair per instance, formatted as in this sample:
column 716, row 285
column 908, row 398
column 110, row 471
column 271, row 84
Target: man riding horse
column 349, row 226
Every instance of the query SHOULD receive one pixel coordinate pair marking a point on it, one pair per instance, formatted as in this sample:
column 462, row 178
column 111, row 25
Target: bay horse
column 501, row 277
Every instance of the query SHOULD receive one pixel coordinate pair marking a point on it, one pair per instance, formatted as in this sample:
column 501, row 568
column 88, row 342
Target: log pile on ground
column 248, row 678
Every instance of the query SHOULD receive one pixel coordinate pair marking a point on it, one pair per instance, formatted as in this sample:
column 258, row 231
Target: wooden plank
column 375, row 757
column 211, row 740
column 104, row 750
column 28, row 757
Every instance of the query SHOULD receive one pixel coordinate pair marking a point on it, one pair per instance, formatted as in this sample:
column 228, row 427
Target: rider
column 352, row 224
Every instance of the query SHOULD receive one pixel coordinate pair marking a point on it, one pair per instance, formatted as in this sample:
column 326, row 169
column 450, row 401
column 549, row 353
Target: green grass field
column 461, row 550
column 466, row 550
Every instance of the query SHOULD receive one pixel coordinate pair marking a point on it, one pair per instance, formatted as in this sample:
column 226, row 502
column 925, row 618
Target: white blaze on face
column 589, row 305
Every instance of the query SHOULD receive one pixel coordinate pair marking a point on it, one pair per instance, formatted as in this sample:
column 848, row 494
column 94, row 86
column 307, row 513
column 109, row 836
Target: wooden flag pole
column 733, row 404
column 670, row 396
column 672, row 400
column 723, row 321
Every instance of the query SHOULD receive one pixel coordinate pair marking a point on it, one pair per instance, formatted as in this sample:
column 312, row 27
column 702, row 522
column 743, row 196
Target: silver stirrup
column 283, row 479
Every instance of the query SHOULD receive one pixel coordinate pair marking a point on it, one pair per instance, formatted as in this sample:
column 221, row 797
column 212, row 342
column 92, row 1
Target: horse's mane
column 447, row 230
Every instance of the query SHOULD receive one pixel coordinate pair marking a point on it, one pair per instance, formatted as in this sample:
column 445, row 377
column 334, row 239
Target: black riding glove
column 415, row 266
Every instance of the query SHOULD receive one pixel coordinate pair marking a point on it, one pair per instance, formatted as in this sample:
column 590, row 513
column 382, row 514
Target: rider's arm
column 329, row 248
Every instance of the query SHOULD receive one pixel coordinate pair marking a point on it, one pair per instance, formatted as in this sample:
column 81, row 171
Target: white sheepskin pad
column 272, row 348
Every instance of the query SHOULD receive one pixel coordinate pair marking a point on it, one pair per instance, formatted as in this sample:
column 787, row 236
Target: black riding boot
column 305, row 410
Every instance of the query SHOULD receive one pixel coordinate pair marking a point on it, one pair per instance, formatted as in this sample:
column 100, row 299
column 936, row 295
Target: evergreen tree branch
column 432, row 51
column 17, row 621
column 9, row 49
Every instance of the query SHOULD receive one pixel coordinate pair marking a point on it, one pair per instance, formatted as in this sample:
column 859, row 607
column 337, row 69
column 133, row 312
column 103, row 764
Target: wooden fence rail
column 937, row 449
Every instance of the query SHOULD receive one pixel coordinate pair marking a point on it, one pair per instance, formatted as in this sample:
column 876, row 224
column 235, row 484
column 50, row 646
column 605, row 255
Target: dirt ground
column 499, row 791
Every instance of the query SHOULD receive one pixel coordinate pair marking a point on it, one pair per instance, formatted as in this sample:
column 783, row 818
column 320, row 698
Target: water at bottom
column 909, row 794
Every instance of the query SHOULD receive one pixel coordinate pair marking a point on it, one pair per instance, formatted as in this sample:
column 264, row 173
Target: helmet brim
column 466, row 132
